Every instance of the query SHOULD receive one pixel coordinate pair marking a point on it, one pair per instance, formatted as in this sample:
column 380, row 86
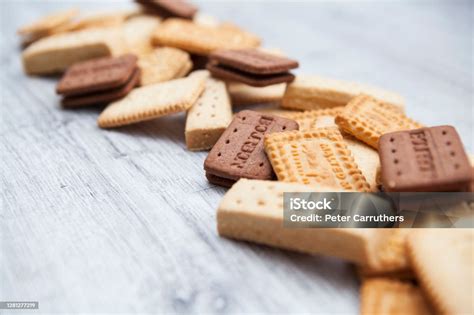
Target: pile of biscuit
column 316, row 134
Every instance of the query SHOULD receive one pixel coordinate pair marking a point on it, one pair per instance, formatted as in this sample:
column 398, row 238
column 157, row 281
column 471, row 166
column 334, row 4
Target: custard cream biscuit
column 367, row 119
column 317, row 157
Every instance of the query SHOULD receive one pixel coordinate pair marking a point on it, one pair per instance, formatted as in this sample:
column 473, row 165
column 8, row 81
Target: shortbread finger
column 443, row 263
column 56, row 53
column 153, row 101
column 368, row 119
column 382, row 296
column 316, row 157
column 200, row 39
column 163, row 64
column 209, row 116
column 312, row 92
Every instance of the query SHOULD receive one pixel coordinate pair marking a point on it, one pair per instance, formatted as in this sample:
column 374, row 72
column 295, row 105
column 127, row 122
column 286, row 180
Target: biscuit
column 200, row 39
column 366, row 158
column 382, row 296
column 244, row 94
column 164, row 64
column 367, row 119
column 102, row 97
column 45, row 25
column 226, row 73
column 208, row 117
column 97, row 75
column 239, row 151
column 167, row 8
column 138, row 32
column 277, row 111
column 317, row 118
column 56, row 53
column 426, row 159
column 153, row 101
column 317, row 157
column 442, row 260
column 205, row 19
column 252, row 210
column 94, row 20
column 312, row 92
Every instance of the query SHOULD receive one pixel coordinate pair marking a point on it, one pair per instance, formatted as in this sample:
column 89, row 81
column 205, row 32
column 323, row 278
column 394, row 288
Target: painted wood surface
column 124, row 220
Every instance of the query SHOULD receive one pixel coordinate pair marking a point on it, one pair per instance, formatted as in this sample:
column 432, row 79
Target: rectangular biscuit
column 317, row 118
column 163, row 64
column 367, row 119
column 153, row 101
column 443, row 261
column 317, row 157
column 209, row 116
column 201, row 39
column 239, row 151
column 382, row 296
column 313, row 92
column 252, row 210
column 56, row 53
column 426, row 159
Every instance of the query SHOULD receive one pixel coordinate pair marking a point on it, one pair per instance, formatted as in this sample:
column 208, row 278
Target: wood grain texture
column 124, row 220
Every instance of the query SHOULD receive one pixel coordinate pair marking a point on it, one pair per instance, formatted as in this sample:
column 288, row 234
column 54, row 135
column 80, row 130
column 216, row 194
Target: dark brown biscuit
column 239, row 152
column 170, row 8
column 253, row 61
column 229, row 74
column 102, row 97
column 221, row 181
column 97, row 75
column 425, row 159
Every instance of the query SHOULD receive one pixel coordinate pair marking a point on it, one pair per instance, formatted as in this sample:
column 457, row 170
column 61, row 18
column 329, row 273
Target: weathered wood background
column 124, row 220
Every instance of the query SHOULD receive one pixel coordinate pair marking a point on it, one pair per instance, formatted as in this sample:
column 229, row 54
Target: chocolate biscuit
column 253, row 61
column 170, row 8
column 97, row 75
column 425, row 159
column 226, row 73
column 102, row 97
column 239, row 152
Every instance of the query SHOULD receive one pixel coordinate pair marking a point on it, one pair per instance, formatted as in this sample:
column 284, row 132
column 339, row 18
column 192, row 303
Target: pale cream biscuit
column 382, row 296
column 367, row 119
column 200, row 39
column 313, row 92
column 153, row 101
column 205, row 20
column 316, row 157
column 317, row 118
column 48, row 23
column 163, row 64
column 56, row 53
column 138, row 32
column 443, row 261
column 244, row 94
column 209, row 116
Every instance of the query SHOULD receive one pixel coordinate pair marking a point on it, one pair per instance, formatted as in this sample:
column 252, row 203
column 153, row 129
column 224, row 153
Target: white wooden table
column 124, row 220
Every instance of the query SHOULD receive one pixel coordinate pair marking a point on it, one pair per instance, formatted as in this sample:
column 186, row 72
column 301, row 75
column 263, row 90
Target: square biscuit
column 317, row 157
column 313, row 92
column 138, row 32
column 368, row 119
column 209, row 116
column 317, row 118
column 153, row 101
column 244, row 94
column 163, row 64
column 56, row 53
column 201, row 39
